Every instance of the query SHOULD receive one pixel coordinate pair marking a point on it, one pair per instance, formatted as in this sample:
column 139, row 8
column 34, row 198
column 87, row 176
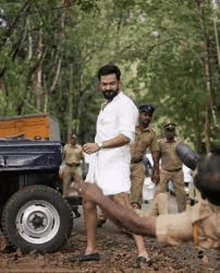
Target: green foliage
column 50, row 52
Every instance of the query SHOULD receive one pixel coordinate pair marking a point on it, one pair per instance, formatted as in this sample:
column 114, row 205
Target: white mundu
column 110, row 168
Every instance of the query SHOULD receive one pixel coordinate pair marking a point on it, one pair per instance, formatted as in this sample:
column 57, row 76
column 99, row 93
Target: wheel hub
column 37, row 221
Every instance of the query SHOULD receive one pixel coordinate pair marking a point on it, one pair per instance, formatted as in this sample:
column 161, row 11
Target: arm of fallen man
column 121, row 216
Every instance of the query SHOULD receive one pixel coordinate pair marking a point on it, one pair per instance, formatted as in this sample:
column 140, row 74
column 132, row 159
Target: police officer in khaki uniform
column 201, row 223
column 171, row 166
column 72, row 155
column 145, row 137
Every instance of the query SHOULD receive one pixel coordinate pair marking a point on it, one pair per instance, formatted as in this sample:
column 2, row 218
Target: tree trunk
column 38, row 73
column 207, row 129
column 70, row 100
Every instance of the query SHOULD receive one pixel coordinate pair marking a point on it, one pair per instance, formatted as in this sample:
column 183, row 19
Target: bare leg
column 123, row 199
column 140, row 243
column 90, row 218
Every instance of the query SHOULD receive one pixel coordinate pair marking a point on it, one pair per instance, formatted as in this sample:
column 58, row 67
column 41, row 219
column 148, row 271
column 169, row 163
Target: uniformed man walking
column 171, row 166
column 72, row 155
column 145, row 137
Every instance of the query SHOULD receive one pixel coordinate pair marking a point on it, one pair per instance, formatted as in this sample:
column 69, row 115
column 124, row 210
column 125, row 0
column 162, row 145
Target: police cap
column 148, row 109
column 170, row 126
column 73, row 136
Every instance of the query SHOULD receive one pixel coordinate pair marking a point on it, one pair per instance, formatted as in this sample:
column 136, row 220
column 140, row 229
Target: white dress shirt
column 110, row 167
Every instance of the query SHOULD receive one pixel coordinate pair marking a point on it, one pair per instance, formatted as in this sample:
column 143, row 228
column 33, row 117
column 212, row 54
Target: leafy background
column 168, row 52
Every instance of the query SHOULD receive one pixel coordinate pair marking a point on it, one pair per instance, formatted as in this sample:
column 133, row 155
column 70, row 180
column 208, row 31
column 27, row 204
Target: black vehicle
column 34, row 214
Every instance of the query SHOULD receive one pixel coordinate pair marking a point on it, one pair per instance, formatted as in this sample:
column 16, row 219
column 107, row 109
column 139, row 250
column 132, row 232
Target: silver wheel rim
column 37, row 222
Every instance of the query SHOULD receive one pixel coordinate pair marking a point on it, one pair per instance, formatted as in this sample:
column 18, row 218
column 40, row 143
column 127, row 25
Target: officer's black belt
column 73, row 165
column 175, row 170
column 134, row 161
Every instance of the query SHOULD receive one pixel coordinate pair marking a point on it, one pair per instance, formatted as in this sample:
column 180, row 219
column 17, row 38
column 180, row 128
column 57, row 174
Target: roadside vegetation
column 168, row 52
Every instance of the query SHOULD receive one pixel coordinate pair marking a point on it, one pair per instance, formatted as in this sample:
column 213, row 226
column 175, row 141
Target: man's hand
column 155, row 176
column 90, row 148
column 89, row 191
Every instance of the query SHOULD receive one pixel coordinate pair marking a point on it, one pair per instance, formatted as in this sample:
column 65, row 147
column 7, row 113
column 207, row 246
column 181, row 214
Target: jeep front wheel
column 37, row 217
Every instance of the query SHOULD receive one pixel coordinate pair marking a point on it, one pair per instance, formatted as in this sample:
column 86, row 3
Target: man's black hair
column 109, row 69
column 207, row 179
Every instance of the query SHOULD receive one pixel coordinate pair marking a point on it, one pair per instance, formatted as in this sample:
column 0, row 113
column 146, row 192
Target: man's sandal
column 86, row 258
column 142, row 260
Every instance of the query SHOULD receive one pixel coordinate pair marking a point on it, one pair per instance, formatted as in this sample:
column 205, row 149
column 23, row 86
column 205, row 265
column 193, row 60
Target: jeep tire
column 37, row 218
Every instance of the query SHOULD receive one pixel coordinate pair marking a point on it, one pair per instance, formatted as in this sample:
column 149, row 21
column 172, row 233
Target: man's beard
column 146, row 122
column 170, row 136
column 109, row 95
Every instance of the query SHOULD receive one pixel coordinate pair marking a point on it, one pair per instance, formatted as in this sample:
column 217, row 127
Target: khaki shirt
column 169, row 158
column 73, row 155
column 143, row 139
column 201, row 222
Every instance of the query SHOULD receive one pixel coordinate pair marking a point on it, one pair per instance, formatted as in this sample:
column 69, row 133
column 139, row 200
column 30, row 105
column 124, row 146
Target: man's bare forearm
column 156, row 159
column 127, row 218
column 118, row 141
column 155, row 172
column 122, row 216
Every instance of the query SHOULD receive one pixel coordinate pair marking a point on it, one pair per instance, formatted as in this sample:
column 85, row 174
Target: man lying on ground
column 201, row 223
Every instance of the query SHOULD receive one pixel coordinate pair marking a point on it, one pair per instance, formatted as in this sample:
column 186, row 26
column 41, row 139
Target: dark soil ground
column 118, row 254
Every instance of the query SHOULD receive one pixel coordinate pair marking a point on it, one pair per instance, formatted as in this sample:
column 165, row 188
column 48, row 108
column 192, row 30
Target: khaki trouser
column 159, row 205
column 177, row 178
column 193, row 192
column 137, row 182
column 67, row 174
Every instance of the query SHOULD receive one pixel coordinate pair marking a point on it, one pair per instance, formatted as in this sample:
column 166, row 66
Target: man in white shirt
column 110, row 156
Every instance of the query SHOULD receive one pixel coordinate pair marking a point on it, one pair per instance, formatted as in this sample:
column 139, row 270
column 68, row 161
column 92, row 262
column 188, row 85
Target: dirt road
column 118, row 254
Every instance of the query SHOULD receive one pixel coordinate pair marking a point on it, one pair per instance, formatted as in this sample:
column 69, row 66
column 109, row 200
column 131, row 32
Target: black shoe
column 86, row 258
column 142, row 260
column 77, row 214
column 100, row 223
